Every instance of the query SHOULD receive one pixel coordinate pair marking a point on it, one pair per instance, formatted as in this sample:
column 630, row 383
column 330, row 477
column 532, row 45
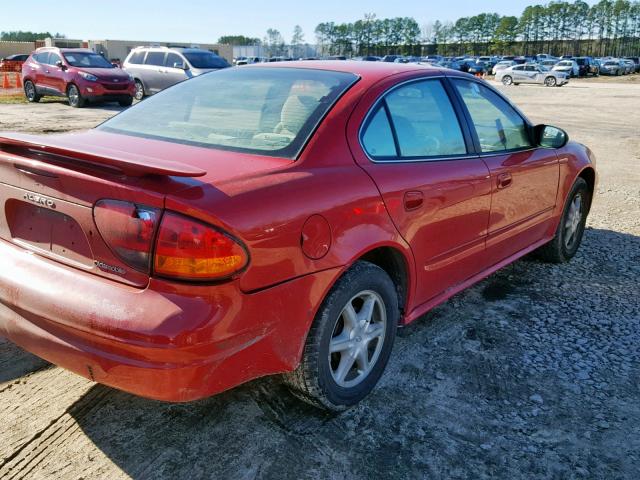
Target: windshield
column 565, row 64
column 205, row 60
column 271, row 111
column 86, row 60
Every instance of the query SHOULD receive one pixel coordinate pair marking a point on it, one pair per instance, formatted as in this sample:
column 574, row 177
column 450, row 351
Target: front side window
column 423, row 120
column 86, row 60
column 205, row 60
column 172, row 59
column 53, row 58
column 271, row 111
column 498, row 126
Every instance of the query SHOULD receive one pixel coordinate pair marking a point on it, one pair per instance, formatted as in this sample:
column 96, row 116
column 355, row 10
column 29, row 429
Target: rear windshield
column 271, row 111
column 205, row 60
column 86, row 60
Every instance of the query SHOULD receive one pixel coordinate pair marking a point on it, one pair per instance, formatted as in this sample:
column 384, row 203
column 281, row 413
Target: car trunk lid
column 49, row 186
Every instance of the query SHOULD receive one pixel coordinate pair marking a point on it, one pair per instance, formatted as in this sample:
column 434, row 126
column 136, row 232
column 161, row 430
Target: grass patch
column 18, row 98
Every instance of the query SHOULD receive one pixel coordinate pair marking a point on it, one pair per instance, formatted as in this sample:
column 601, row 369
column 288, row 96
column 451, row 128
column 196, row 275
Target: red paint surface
column 180, row 341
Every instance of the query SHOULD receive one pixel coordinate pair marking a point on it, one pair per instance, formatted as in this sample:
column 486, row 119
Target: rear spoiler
column 49, row 149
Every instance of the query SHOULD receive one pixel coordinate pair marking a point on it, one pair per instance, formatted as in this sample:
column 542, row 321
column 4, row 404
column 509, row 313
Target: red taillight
column 128, row 229
column 192, row 250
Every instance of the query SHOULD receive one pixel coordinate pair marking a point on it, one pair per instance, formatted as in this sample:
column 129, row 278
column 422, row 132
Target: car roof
column 63, row 50
column 370, row 72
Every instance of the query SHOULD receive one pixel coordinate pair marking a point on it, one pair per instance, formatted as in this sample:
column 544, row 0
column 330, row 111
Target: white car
column 531, row 73
column 570, row 67
column 501, row 65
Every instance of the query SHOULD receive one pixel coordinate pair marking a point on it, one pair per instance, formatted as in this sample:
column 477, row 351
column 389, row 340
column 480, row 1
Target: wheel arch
column 394, row 262
column 588, row 174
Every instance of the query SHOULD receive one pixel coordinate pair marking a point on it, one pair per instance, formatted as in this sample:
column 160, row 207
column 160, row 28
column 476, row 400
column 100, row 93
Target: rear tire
column 569, row 233
column 30, row 92
column 507, row 80
column 76, row 100
column 350, row 340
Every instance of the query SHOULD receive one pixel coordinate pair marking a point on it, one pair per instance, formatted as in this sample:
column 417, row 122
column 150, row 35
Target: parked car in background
column 531, row 73
column 79, row 74
column 156, row 68
column 452, row 64
column 587, row 66
column 205, row 237
column 13, row 63
column 570, row 67
column 390, row 58
column 629, row 66
column 501, row 65
column 548, row 63
column 636, row 61
column 367, row 58
column 612, row 67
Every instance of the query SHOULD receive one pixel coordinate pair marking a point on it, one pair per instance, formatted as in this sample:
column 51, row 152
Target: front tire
column 570, row 230
column 507, row 80
column 350, row 340
column 139, row 95
column 550, row 81
column 126, row 102
column 30, row 92
column 76, row 100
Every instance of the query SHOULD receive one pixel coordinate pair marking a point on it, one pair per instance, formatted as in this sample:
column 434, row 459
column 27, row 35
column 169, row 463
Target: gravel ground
column 532, row 373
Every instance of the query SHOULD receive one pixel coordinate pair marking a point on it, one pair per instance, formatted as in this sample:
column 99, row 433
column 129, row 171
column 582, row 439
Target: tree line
column 22, row 36
column 609, row 27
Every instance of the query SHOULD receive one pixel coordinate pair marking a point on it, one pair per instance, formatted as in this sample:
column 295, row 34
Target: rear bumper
column 169, row 341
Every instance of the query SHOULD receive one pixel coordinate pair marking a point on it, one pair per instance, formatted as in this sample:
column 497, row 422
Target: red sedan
column 274, row 219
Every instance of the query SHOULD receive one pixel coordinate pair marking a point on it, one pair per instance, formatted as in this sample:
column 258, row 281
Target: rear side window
column 137, row 58
column 155, row 58
column 378, row 138
column 422, row 118
column 498, row 126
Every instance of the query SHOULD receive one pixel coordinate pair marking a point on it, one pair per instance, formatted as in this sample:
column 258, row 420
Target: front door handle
column 504, row 180
column 413, row 200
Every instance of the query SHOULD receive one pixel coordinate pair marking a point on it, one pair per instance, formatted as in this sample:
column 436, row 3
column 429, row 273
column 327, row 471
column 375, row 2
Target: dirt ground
column 533, row 373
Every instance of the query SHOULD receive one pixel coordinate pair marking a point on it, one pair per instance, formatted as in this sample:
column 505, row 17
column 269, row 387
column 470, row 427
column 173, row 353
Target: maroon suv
column 79, row 74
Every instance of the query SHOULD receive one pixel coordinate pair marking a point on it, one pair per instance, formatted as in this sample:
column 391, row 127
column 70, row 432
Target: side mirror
column 547, row 136
column 61, row 65
column 181, row 65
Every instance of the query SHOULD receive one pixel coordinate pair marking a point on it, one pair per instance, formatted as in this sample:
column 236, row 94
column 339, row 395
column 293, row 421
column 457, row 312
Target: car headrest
column 296, row 111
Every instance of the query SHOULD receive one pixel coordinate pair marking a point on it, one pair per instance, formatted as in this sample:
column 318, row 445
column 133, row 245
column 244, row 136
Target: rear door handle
column 413, row 200
column 504, row 180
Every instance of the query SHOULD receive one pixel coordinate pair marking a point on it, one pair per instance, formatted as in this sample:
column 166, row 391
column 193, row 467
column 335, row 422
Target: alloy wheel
column 30, row 90
column 357, row 339
column 573, row 221
column 74, row 95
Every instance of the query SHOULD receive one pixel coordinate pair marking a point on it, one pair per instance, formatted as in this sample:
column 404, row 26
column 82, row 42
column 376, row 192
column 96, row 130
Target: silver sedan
column 531, row 73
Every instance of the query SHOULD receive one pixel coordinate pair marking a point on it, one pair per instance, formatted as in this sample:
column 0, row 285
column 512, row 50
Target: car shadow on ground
column 429, row 415
column 111, row 107
column 16, row 363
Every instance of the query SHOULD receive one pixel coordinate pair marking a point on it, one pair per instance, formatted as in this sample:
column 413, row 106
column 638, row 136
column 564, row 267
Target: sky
column 205, row 21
